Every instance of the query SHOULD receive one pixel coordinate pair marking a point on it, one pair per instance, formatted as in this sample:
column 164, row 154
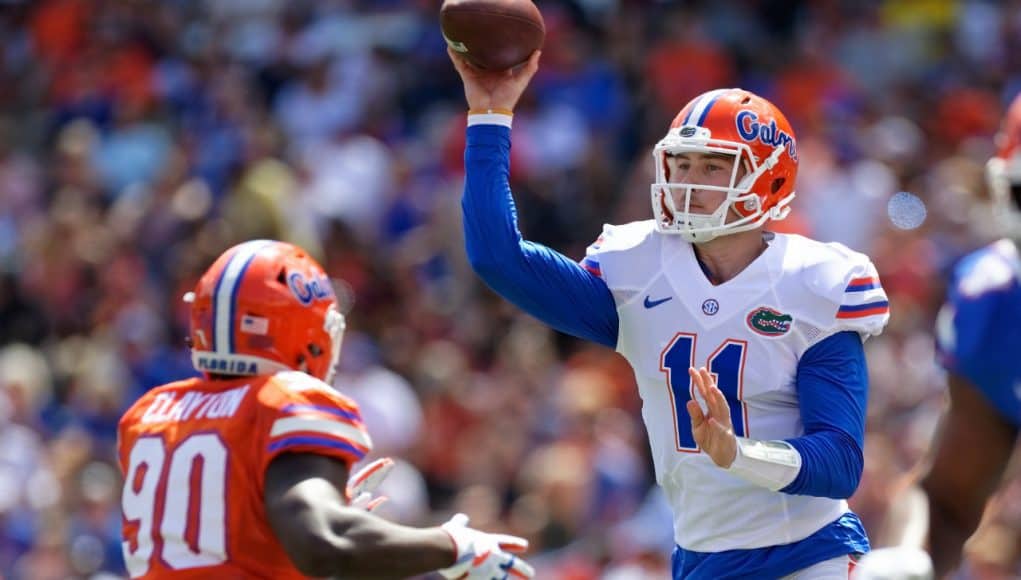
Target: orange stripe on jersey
column 864, row 280
column 863, row 284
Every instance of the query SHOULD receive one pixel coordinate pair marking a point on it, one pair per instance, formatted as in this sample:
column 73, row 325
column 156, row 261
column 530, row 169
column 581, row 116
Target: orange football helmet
column 262, row 307
column 739, row 124
column 1003, row 172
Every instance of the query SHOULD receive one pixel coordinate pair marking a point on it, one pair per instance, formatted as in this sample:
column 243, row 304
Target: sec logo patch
column 710, row 307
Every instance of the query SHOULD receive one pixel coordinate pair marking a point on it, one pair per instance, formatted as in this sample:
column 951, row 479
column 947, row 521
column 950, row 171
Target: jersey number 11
column 727, row 365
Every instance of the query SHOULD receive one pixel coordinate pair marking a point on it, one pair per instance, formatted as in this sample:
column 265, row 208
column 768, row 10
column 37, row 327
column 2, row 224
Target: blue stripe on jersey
column 860, row 307
column 297, row 408
column 845, row 535
column 320, row 441
column 592, row 266
column 862, row 287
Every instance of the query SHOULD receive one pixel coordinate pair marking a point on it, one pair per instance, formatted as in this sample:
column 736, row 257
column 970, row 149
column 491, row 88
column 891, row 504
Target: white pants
column 838, row 568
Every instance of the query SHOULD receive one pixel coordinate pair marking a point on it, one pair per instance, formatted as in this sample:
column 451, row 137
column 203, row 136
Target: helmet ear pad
column 747, row 182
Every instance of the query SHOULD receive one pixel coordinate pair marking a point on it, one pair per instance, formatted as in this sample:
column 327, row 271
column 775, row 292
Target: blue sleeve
column 539, row 280
column 832, row 383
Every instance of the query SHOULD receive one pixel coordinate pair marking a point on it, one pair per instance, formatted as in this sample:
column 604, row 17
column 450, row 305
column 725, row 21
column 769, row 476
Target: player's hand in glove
column 482, row 556
column 361, row 487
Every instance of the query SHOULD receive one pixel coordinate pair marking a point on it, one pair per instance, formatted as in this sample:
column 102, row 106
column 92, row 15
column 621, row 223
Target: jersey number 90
column 187, row 499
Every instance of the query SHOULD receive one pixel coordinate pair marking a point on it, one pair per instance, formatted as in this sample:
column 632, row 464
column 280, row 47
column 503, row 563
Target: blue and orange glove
column 482, row 556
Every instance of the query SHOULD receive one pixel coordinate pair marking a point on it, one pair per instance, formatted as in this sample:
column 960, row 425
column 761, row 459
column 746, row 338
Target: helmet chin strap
column 699, row 234
column 701, row 237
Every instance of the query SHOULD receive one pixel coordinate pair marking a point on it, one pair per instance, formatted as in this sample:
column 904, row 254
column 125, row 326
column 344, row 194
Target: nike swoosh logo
column 654, row 303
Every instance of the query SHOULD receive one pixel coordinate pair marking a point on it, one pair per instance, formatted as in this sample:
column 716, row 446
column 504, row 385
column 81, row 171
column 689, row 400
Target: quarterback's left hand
column 362, row 485
column 713, row 430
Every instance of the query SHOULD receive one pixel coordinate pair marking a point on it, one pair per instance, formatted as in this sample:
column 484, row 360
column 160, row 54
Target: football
column 492, row 34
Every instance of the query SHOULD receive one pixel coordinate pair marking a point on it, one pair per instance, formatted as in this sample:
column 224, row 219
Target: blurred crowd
column 140, row 139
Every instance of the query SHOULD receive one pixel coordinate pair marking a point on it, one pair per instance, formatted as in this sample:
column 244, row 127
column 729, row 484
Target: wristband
column 769, row 464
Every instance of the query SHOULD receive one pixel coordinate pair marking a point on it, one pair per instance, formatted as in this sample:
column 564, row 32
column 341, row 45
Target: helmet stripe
column 700, row 109
column 688, row 116
column 226, row 294
column 705, row 112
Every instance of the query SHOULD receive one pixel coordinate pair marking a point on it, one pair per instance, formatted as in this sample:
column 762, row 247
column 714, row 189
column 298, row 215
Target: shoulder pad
column 305, row 413
column 989, row 269
column 981, row 282
column 614, row 240
column 851, row 296
column 622, row 237
column 299, row 382
column 299, row 387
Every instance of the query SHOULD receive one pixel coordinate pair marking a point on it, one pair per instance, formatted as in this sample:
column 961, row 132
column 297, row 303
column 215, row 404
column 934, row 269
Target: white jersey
column 750, row 331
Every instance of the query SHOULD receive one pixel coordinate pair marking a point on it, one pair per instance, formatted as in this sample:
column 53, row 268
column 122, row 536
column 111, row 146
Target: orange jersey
column 194, row 455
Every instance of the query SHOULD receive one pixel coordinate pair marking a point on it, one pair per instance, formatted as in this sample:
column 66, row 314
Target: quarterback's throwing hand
column 496, row 91
column 482, row 556
column 712, row 428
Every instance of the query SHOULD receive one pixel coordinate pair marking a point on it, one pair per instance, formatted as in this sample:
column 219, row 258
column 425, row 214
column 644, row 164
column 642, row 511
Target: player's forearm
column 537, row 279
column 355, row 544
column 832, row 383
column 947, row 535
column 832, row 464
column 324, row 537
column 491, row 233
column 954, row 512
column 821, row 464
